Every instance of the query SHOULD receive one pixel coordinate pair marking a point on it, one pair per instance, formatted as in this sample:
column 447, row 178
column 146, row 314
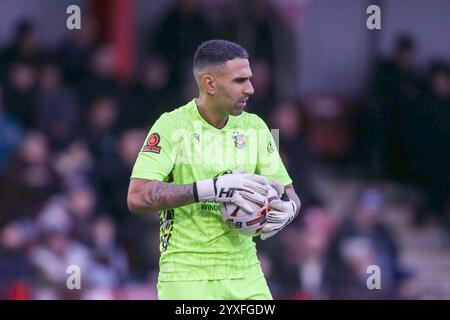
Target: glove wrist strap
column 205, row 190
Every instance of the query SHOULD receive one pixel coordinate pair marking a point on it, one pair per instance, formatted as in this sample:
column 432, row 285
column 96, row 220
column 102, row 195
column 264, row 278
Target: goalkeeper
column 187, row 164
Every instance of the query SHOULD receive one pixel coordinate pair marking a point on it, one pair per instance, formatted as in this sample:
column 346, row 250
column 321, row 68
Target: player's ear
column 209, row 83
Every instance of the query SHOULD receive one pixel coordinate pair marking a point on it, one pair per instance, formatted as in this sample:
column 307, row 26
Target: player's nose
column 249, row 89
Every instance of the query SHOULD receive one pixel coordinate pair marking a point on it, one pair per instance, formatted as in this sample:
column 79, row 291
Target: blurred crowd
column 70, row 131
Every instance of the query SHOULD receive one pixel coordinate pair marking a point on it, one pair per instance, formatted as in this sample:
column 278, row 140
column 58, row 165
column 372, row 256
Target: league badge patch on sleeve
column 152, row 144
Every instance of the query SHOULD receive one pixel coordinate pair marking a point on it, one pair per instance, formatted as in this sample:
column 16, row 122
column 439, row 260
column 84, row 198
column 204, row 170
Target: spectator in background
column 100, row 127
column 177, row 36
column 101, row 79
column 28, row 175
column 75, row 160
column 251, row 24
column 57, row 109
column 428, row 143
column 303, row 265
column 82, row 205
column 20, row 91
column 150, row 96
column 264, row 98
column 396, row 79
column 135, row 232
column 25, row 46
column 112, row 177
column 11, row 133
column 109, row 267
column 72, row 212
column 363, row 240
column 268, row 29
column 317, row 231
column 52, row 255
column 54, row 215
column 289, row 119
column 396, row 87
column 74, row 54
column 17, row 274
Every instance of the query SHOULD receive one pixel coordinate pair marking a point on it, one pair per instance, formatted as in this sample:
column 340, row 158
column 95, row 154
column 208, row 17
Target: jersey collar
column 198, row 116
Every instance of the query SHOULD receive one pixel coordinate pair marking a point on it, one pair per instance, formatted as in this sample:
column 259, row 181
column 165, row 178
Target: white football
column 248, row 223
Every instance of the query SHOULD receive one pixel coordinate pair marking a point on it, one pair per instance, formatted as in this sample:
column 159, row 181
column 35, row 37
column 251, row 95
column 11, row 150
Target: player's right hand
column 238, row 187
column 281, row 212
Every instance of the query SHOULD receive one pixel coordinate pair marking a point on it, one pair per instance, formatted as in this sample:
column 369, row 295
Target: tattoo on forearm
column 166, row 195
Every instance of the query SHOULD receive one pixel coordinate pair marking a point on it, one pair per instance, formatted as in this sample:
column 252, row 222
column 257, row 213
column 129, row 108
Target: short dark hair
column 217, row 52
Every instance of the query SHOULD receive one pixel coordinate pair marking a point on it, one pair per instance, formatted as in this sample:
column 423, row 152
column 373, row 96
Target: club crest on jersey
column 152, row 144
column 239, row 141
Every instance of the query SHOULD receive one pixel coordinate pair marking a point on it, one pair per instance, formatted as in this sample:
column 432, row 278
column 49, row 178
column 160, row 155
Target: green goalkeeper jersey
column 182, row 148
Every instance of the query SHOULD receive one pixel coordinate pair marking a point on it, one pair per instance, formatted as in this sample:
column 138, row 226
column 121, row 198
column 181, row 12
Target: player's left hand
column 281, row 213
